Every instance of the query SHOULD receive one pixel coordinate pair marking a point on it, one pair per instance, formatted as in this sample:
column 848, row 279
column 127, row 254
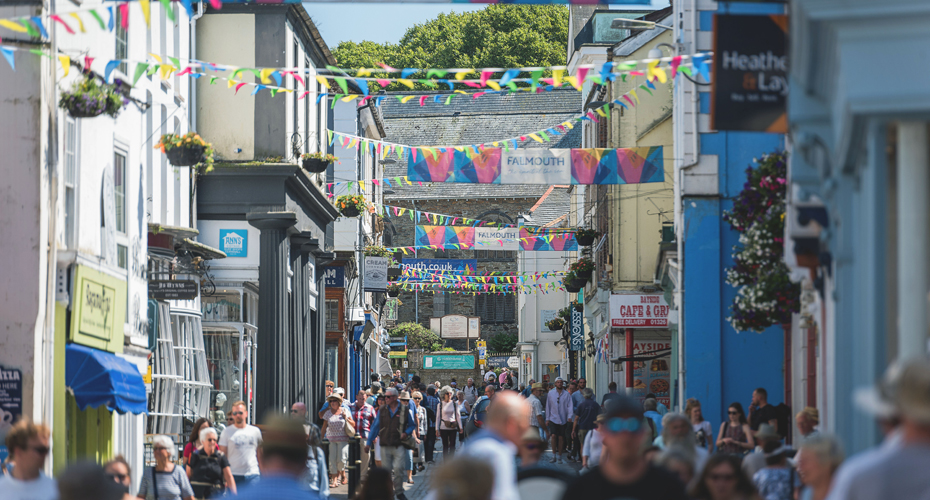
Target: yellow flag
column 573, row 80
column 363, row 72
column 146, row 12
column 10, row 25
column 657, row 72
column 230, row 84
column 633, row 91
column 322, row 81
column 404, row 81
column 557, row 77
column 65, row 64
column 165, row 70
column 349, row 98
column 600, row 112
column 406, row 99
column 462, row 74
column 493, row 85
column 265, row 73
column 156, row 56
column 362, row 184
column 408, row 181
column 80, row 23
column 535, row 138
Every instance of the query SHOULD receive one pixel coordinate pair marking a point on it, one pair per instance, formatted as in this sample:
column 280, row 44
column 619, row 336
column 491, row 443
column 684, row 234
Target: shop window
column 495, row 308
column 332, row 362
column 332, row 315
column 221, row 307
column 222, row 347
column 122, row 42
column 119, row 190
column 71, row 161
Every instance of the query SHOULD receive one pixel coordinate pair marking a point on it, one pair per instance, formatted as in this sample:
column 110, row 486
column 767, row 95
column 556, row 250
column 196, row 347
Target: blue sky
column 377, row 22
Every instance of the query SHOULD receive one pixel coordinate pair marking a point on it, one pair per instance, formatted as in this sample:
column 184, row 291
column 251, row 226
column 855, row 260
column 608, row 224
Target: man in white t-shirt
column 536, row 408
column 240, row 442
column 28, row 447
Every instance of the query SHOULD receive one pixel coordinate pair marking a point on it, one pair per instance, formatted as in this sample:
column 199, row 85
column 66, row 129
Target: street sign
column 513, row 362
column 173, row 290
column 406, row 363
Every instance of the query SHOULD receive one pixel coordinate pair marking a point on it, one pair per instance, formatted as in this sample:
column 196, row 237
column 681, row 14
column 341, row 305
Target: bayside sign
column 638, row 311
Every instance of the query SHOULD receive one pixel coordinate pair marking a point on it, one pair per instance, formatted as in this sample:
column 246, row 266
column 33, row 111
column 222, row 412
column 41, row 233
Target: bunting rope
column 472, row 288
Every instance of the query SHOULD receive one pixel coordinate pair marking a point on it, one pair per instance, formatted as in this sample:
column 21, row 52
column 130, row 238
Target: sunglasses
column 159, row 448
column 239, row 413
column 119, row 478
column 41, row 450
column 733, row 412
column 619, row 424
column 721, row 477
column 294, row 411
column 418, row 399
column 531, row 446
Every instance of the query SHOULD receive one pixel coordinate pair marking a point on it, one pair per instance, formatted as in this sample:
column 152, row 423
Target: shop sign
column 98, row 310
column 459, row 266
column 513, row 362
column 334, row 276
column 544, row 316
column 652, row 376
column 638, row 311
column 498, row 361
column 173, row 290
column 376, row 273
column 750, row 82
column 234, row 242
column 449, row 362
column 576, row 337
column 11, row 404
column 397, row 354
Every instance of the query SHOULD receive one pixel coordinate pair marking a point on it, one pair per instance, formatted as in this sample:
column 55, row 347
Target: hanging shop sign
column 449, row 362
column 577, row 332
column 173, row 289
column 638, row 311
column 539, row 166
column 98, row 310
column 750, row 83
column 485, row 238
column 376, row 273
column 464, row 266
column 11, row 404
column 334, row 276
column 234, row 242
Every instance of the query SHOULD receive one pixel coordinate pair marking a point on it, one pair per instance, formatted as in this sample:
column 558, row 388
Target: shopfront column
column 913, row 237
column 271, row 371
column 300, row 313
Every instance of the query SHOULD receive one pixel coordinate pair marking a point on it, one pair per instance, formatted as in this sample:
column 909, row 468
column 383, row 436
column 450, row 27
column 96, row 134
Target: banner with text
column 463, row 266
column 483, row 238
column 538, row 166
column 638, row 311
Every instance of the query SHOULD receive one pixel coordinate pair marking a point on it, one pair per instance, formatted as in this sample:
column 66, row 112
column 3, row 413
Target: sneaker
column 554, row 458
column 560, row 461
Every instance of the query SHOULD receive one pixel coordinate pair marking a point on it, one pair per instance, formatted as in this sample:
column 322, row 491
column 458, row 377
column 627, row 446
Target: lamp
column 656, row 52
column 636, row 24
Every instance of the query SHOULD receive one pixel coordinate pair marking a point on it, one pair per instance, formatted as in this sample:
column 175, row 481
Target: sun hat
column 404, row 396
column 904, row 390
column 625, row 406
column 334, row 396
column 766, row 431
column 532, row 434
column 537, row 385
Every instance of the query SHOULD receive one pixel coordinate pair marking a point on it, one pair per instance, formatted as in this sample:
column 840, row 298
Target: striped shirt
column 170, row 485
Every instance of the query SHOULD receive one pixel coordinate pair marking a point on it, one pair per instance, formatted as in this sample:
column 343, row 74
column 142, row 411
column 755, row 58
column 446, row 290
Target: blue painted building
column 715, row 364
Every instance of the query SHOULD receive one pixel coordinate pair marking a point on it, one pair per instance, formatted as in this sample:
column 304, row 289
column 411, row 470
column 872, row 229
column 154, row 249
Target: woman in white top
column 448, row 421
column 464, row 410
column 421, row 421
column 703, row 434
column 593, row 444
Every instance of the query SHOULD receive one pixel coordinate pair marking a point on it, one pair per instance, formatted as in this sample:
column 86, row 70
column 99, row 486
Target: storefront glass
column 223, row 348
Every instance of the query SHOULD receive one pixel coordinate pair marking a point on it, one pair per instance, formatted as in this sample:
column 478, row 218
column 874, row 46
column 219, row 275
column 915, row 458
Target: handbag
column 409, row 442
column 350, row 429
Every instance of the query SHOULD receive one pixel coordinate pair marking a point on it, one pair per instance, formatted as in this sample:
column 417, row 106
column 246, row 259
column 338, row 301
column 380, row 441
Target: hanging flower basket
column 583, row 268
column 571, row 288
column 352, row 205
column 316, row 162
column 573, row 283
column 565, row 313
column 555, row 324
column 578, row 306
column 393, row 290
column 586, row 237
column 186, row 150
column 89, row 98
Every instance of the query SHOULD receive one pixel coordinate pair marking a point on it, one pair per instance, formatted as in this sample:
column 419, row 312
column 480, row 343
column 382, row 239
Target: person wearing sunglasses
column 164, row 481
column 118, row 471
column 723, row 479
column 734, row 436
column 623, row 472
column 28, row 447
column 531, row 448
column 240, row 443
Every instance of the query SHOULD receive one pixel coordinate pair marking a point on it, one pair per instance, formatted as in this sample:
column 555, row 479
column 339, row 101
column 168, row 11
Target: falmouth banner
column 483, row 238
column 538, row 166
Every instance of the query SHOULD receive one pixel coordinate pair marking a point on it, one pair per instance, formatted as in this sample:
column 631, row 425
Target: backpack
column 783, row 417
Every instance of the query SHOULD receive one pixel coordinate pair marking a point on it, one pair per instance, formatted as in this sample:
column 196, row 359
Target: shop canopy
column 100, row 378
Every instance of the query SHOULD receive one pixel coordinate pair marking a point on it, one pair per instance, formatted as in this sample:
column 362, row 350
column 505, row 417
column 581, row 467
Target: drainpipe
column 192, row 111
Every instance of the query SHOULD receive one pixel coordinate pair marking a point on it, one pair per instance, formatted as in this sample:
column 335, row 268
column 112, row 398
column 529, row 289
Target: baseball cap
column 624, row 406
column 559, row 379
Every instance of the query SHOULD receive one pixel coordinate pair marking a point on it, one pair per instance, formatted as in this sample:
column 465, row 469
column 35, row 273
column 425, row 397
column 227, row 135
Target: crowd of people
column 627, row 448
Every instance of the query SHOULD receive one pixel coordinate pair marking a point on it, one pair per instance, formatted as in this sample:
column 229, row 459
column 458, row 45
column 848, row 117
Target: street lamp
column 636, row 24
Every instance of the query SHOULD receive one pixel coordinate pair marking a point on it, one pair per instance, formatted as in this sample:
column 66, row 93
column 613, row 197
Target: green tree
column 503, row 36
column 418, row 336
column 502, row 342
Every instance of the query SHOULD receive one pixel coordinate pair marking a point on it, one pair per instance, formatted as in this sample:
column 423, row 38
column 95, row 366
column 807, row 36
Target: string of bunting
column 411, row 271
column 463, row 246
column 429, row 276
column 474, row 288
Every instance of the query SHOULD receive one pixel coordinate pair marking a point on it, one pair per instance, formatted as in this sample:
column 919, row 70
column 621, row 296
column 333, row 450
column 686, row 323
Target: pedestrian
column 756, row 460
column 528, row 389
column 193, row 442
column 404, row 398
column 379, row 486
column 735, row 436
column 448, row 422
column 230, row 420
column 623, row 471
column 661, row 408
column 363, row 414
column 531, row 448
column 537, row 418
column 464, row 409
column 584, row 421
column 895, row 469
column 761, row 412
column 27, row 444
column 593, row 445
column 463, row 479
column 164, row 481
column 677, row 432
column 610, row 396
column 299, row 413
column 817, row 461
column 240, row 442
column 807, row 420
column 777, row 480
column 490, row 391
column 496, row 443
column 208, row 469
column 437, row 385
column 85, row 480
column 422, row 429
column 678, row 460
column 375, row 390
column 393, row 424
column 703, row 433
column 315, row 476
column 572, row 446
column 335, row 423
column 118, row 471
column 723, row 479
column 430, row 402
column 649, row 411
column 284, row 458
column 558, row 415
column 379, row 403
column 471, row 391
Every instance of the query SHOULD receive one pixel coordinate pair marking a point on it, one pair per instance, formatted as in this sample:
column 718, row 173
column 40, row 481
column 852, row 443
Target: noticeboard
column 449, row 362
column 11, row 404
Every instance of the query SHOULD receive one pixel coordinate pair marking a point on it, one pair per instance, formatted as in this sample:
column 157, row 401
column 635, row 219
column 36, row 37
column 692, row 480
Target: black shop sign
column 173, row 290
column 750, row 83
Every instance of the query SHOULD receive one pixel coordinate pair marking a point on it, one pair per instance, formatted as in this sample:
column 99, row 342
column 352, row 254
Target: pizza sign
column 653, row 375
column 638, row 311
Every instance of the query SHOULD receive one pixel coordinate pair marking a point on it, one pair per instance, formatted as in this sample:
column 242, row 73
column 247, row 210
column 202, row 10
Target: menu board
column 652, row 376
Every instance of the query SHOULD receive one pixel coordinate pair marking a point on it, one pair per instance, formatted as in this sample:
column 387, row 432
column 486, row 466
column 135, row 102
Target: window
column 71, row 178
column 442, row 304
column 122, row 42
column 495, row 308
column 332, row 315
column 119, row 189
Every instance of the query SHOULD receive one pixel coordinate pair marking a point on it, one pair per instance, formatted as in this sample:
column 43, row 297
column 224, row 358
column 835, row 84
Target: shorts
column 338, row 456
column 556, row 429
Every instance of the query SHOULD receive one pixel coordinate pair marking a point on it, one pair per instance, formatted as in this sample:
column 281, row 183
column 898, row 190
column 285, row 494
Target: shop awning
column 100, row 378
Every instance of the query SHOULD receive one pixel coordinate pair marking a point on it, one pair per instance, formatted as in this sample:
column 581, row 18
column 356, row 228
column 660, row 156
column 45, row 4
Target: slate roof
column 489, row 118
column 556, row 205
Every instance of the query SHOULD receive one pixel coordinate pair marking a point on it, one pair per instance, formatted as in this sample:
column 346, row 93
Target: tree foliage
column 502, row 342
column 418, row 336
column 503, row 36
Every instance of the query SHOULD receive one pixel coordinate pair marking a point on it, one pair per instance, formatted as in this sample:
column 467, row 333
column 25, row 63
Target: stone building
column 489, row 118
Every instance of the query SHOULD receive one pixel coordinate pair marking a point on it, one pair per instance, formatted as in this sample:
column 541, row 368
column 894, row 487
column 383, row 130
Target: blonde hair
column 691, row 404
column 811, row 414
column 22, row 431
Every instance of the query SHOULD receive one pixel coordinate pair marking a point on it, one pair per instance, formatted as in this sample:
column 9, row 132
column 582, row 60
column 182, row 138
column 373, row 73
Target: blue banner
column 335, row 276
column 577, row 331
column 453, row 266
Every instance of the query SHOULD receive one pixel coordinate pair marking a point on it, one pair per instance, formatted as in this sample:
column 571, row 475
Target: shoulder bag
column 349, row 428
column 410, row 442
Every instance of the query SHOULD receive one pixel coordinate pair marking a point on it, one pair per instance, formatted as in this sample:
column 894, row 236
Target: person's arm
column 223, row 440
column 187, row 468
column 575, row 427
column 541, row 420
column 586, row 449
column 144, row 484
column 458, row 420
column 187, row 493
column 438, row 416
column 349, row 419
column 230, row 481
column 373, row 432
column 750, row 441
column 710, row 434
column 720, row 441
column 548, row 410
column 323, row 429
column 411, row 421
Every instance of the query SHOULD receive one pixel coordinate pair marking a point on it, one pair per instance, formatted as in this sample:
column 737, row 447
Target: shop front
column 642, row 345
